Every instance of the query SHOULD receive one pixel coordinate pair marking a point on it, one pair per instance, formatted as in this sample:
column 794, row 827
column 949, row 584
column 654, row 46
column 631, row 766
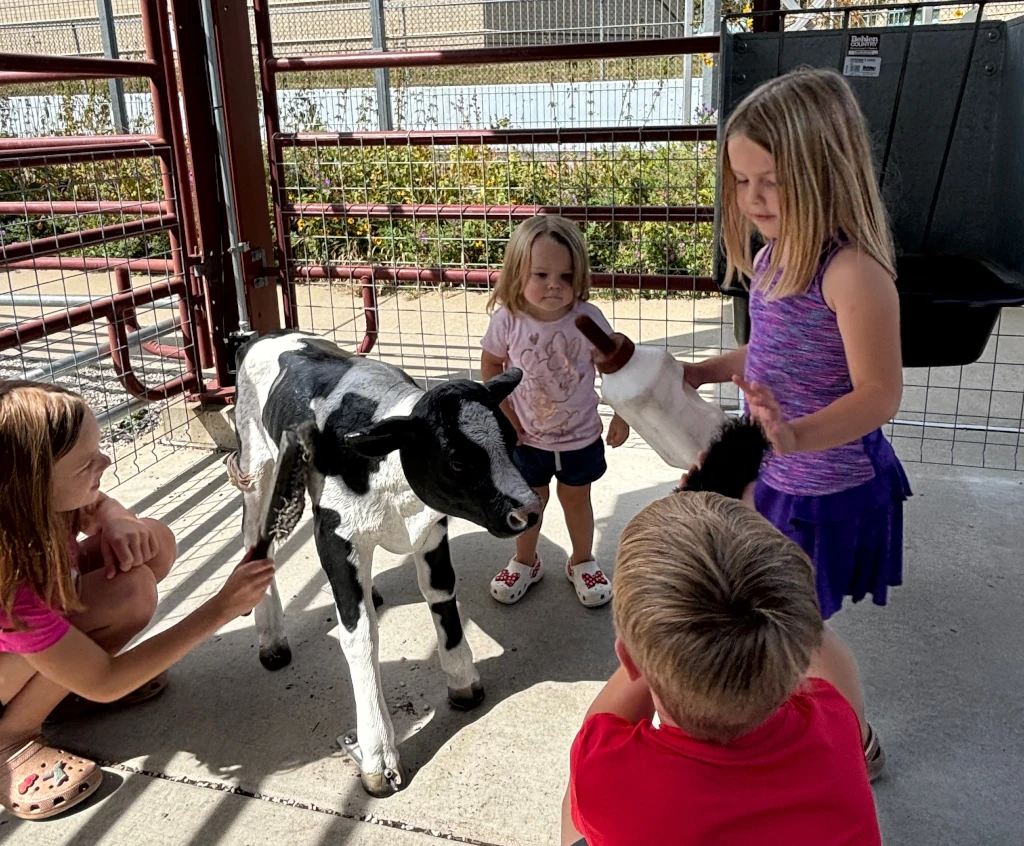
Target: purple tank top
column 796, row 350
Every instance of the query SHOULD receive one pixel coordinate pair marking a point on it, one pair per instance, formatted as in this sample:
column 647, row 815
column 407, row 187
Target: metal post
column 227, row 188
column 688, row 64
column 245, row 163
column 381, row 76
column 118, row 110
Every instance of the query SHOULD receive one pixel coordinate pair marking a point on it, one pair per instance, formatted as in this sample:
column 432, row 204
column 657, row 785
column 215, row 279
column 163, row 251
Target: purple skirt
column 854, row 537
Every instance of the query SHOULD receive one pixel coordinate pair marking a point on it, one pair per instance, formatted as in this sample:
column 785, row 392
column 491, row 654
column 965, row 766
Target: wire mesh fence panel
column 68, row 27
column 92, row 296
column 428, row 223
column 614, row 92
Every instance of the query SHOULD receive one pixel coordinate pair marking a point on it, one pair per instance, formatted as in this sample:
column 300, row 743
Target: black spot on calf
column 333, row 457
column 448, row 613
column 336, row 557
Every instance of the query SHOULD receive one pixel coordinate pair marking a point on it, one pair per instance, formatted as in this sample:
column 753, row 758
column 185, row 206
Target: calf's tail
column 733, row 460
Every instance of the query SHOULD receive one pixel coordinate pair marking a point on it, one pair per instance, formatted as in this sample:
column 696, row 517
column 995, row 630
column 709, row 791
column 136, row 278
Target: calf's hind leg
column 256, row 466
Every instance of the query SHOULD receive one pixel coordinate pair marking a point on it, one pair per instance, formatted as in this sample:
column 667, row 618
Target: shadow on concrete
column 243, row 724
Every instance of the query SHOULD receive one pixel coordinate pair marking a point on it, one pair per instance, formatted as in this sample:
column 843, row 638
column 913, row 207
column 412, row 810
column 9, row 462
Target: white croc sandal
column 511, row 584
column 592, row 586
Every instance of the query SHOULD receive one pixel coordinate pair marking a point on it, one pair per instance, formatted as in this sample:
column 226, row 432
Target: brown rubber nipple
column 616, row 351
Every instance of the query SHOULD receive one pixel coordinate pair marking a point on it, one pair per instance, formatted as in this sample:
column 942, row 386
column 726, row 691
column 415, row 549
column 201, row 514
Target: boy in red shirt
column 717, row 621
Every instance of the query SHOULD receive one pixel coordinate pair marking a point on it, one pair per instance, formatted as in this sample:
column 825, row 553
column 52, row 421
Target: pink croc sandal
column 592, row 586
column 511, row 584
column 38, row 781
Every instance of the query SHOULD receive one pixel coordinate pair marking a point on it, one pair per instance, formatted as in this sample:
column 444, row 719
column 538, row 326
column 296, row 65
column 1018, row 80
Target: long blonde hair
column 39, row 425
column 718, row 610
column 810, row 122
column 515, row 268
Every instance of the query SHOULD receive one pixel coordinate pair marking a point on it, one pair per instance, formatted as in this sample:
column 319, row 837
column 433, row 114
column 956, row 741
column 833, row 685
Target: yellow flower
column 708, row 59
column 478, row 243
column 351, row 220
column 747, row 7
column 959, row 13
column 301, row 224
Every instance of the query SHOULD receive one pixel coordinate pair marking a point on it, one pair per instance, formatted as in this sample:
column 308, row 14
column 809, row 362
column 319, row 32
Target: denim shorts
column 575, row 467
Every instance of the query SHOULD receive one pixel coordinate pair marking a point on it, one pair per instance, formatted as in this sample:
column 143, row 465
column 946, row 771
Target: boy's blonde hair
column 810, row 122
column 515, row 269
column 718, row 611
column 39, row 425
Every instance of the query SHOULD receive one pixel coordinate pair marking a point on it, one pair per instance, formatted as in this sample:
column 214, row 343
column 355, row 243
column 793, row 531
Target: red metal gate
column 294, row 213
column 56, row 183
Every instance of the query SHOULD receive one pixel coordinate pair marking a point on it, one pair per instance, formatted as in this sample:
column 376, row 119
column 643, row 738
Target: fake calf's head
column 456, row 451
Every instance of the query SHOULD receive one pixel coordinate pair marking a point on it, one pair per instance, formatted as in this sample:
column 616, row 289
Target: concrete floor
column 941, row 665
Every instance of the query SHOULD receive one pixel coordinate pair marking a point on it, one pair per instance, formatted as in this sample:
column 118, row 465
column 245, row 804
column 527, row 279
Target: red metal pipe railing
column 498, row 55
column 488, row 278
column 465, row 137
column 45, row 156
column 78, row 140
column 120, row 358
column 123, row 281
column 79, row 207
column 28, row 78
column 164, row 267
column 369, row 294
column 85, row 238
column 105, row 307
column 77, row 67
column 418, row 211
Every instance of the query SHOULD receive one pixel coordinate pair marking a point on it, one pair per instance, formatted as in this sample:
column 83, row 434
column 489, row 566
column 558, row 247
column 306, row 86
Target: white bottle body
column 648, row 392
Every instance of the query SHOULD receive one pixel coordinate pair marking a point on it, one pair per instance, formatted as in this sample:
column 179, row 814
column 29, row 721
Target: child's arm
column 625, row 698
column 867, row 308
column 77, row 663
column 127, row 541
column 721, row 368
column 491, row 366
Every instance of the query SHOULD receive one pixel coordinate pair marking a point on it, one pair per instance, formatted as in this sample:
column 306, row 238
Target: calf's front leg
column 436, row 578
column 348, row 571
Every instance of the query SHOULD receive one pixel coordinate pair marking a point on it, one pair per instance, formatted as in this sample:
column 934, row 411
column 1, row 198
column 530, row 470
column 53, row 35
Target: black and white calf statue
column 390, row 463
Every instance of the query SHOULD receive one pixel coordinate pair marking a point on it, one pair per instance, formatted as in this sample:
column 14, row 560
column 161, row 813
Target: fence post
column 688, row 64
column 382, row 76
column 118, row 111
column 712, row 24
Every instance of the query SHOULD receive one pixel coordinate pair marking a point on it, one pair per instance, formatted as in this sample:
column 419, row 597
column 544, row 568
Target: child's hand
column 126, row 542
column 513, row 418
column 246, row 586
column 764, row 408
column 618, row 431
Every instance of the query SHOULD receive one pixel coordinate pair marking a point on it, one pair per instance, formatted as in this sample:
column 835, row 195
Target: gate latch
column 255, row 269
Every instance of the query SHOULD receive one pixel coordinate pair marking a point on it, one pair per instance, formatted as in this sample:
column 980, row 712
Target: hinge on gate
column 255, row 269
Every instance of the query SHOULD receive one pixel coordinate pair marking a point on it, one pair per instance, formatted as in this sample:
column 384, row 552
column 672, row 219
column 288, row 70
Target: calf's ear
column 503, row 384
column 378, row 439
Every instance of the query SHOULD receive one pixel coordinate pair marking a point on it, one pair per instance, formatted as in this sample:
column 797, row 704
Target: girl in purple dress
column 822, row 371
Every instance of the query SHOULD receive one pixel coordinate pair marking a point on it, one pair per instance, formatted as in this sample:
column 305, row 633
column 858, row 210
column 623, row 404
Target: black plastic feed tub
column 949, row 306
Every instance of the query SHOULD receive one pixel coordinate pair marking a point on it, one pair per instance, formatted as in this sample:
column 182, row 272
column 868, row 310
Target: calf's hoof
column 466, row 698
column 277, row 656
column 378, row 600
column 383, row 784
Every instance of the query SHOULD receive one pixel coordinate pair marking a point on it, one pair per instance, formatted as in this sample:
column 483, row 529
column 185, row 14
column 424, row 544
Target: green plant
column 653, row 175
